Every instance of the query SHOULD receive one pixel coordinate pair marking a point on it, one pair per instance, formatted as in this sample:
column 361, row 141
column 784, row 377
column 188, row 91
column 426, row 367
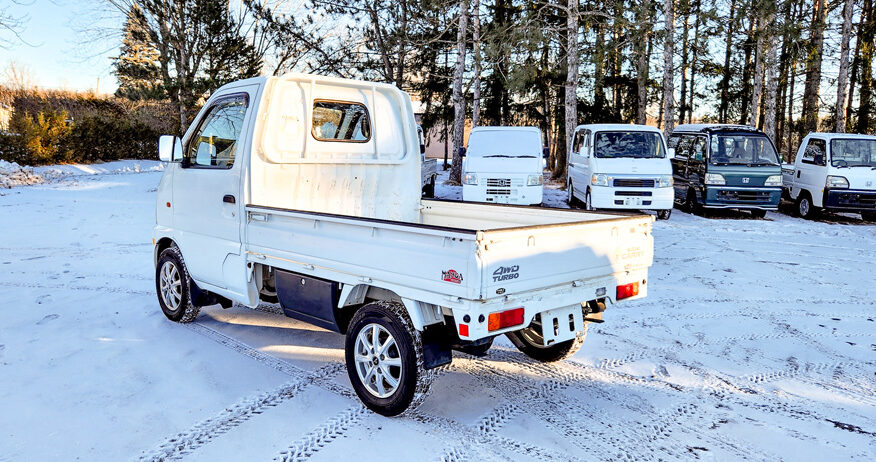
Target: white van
column 615, row 166
column 503, row 165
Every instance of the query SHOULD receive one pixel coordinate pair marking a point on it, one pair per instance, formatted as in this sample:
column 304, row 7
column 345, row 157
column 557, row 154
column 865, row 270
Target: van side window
column 698, row 148
column 682, row 147
column 214, row 143
column 579, row 142
column 673, row 142
column 815, row 148
column 340, row 121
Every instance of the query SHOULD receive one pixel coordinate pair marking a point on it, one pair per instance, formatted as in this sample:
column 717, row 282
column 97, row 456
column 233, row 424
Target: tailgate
column 527, row 258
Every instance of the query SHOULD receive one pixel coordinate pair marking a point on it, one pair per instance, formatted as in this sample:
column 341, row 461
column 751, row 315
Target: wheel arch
column 353, row 297
column 160, row 246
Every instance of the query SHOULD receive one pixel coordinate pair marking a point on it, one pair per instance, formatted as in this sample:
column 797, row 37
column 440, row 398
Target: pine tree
column 137, row 67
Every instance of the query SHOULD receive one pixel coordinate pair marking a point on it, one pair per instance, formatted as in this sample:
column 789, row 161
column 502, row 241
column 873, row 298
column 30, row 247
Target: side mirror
column 462, row 151
column 546, row 152
column 169, row 149
column 670, row 153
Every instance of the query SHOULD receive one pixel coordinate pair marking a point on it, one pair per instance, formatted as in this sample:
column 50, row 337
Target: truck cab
column 833, row 171
column 503, row 165
column 615, row 166
column 720, row 166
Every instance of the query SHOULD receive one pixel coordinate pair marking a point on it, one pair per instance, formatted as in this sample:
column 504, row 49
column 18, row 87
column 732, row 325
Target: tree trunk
column 571, row 101
column 458, row 99
column 769, row 110
column 725, row 79
column 747, row 64
column 865, row 103
column 615, row 58
column 841, row 80
column 641, row 43
column 685, row 50
column 813, row 67
column 599, row 66
column 668, row 70
column 760, row 30
column 476, row 42
column 694, row 61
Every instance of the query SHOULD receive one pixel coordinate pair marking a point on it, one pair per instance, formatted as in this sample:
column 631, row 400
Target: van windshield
column 504, row 143
column 742, row 149
column 853, row 153
column 639, row 145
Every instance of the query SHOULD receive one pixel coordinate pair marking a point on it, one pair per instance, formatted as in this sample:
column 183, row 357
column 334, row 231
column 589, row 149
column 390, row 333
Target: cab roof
column 618, row 127
column 833, row 136
column 708, row 128
column 504, row 128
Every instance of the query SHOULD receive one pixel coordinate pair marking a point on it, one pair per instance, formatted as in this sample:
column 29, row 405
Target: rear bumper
column 855, row 200
column 614, row 197
column 543, row 300
column 737, row 197
column 513, row 193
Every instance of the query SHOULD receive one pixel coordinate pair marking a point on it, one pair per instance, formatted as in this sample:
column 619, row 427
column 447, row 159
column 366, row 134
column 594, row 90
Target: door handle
column 228, row 199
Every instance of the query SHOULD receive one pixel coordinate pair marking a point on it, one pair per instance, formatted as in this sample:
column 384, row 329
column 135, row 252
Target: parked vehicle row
column 304, row 190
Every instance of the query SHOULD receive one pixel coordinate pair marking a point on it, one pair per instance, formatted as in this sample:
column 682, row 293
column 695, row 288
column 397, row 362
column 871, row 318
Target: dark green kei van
column 719, row 166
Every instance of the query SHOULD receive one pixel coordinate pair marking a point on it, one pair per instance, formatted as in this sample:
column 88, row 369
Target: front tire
column 384, row 356
column 758, row 213
column 805, row 208
column 588, row 202
column 529, row 342
column 664, row 214
column 868, row 216
column 173, row 286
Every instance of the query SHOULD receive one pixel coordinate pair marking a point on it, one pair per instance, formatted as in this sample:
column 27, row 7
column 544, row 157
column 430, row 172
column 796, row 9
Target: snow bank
column 12, row 174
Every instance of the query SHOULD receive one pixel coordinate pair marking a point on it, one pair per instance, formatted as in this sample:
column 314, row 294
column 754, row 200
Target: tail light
column 627, row 290
column 505, row 319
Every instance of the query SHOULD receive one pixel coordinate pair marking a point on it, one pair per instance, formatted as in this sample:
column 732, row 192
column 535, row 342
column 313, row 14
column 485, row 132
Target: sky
column 57, row 49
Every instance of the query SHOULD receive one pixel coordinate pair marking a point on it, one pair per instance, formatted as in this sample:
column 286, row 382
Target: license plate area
column 633, row 201
column 561, row 324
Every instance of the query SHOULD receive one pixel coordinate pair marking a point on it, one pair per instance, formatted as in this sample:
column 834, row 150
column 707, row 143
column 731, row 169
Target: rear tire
column 394, row 380
column 805, row 208
column 173, row 286
column 528, row 341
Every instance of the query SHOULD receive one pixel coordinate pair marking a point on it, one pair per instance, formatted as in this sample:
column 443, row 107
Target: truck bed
column 456, row 250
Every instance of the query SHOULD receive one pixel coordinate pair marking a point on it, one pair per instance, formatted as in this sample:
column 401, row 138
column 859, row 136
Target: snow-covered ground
column 757, row 341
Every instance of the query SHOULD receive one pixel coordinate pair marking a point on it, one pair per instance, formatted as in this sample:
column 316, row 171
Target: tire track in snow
column 321, row 436
column 203, row 432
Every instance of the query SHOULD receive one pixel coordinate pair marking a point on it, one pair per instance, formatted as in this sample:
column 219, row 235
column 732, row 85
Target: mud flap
column 436, row 348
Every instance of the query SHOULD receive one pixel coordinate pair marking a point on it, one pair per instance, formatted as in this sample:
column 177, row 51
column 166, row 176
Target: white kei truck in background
column 833, row 171
column 617, row 166
column 503, row 165
column 305, row 190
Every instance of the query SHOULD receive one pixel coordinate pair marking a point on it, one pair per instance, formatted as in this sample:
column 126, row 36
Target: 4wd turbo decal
column 505, row 273
column 451, row 276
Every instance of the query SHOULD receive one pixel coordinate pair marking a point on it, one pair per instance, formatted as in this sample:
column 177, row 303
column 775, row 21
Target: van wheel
column 588, row 203
column 571, row 199
column 805, row 208
column 758, row 213
column 429, row 189
column 172, row 284
column 664, row 214
column 868, row 216
column 384, row 356
column 531, row 343
column 691, row 204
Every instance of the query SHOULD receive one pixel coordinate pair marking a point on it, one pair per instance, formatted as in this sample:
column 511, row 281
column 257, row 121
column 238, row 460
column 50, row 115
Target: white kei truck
column 833, row 171
column 503, row 165
column 620, row 166
column 305, row 190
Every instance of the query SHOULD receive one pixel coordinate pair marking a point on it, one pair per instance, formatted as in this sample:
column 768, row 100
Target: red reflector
column 628, row 290
column 505, row 319
column 463, row 330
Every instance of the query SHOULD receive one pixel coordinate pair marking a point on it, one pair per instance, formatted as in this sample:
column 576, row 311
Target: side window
column 682, row 147
column 814, row 149
column 577, row 143
column 673, row 140
column 214, row 143
column 340, row 121
column 698, row 148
